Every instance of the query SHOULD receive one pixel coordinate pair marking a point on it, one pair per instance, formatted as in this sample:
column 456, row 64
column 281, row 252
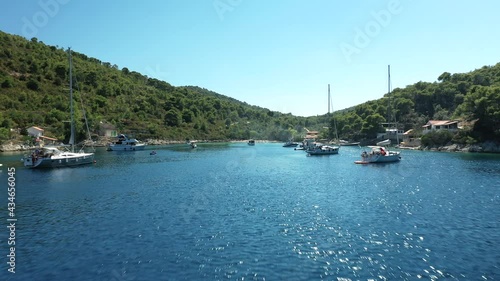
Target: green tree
column 173, row 118
column 60, row 71
column 372, row 125
column 445, row 77
column 483, row 104
column 7, row 83
column 32, row 85
column 187, row 116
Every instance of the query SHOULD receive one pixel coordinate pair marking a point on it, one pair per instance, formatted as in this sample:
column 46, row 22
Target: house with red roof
column 35, row 131
column 439, row 125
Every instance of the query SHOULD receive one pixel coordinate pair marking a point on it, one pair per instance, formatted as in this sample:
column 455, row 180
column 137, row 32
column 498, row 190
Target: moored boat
column 290, row 144
column 323, row 150
column 124, row 143
column 192, row 144
column 379, row 155
column 52, row 157
column 251, row 142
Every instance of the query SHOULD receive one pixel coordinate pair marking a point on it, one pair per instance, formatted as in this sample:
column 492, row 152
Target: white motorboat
column 299, row 147
column 251, row 142
column 126, row 144
column 192, row 144
column 322, row 149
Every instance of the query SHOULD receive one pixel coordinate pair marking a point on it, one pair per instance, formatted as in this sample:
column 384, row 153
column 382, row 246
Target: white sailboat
column 52, row 157
column 322, row 149
column 378, row 153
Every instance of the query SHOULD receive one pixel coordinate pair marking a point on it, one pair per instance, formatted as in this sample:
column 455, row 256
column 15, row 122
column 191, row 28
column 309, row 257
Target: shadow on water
column 484, row 163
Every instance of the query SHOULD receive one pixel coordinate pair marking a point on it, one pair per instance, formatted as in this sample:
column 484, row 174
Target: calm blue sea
column 263, row 212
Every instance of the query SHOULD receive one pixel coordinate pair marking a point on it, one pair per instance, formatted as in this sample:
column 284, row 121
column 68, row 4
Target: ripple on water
column 261, row 213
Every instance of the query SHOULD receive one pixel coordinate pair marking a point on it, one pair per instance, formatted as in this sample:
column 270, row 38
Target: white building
column 35, row 131
column 107, row 130
column 391, row 132
column 437, row 125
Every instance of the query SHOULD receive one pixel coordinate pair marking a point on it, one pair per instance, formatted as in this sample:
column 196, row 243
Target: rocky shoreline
column 486, row 147
column 12, row 146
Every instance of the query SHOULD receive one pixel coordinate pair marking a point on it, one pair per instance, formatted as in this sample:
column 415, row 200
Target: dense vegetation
column 34, row 91
column 473, row 98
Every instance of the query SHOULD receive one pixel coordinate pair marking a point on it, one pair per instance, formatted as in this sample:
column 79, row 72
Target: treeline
column 473, row 98
column 34, row 91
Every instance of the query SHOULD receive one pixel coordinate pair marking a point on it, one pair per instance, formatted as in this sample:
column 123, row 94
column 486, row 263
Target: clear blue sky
column 278, row 54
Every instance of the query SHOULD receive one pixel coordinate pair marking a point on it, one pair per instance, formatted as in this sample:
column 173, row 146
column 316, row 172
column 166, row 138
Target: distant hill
column 34, row 91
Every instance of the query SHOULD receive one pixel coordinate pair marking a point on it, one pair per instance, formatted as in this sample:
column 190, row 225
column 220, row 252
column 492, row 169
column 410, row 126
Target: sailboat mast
column 72, row 137
column 389, row 95
column 328, row 99
column 389, row 81
column 329, row 107
column 392, row 118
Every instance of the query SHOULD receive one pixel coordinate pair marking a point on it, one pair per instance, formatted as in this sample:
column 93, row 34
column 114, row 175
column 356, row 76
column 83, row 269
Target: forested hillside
column 472, row 97
column 35, row 91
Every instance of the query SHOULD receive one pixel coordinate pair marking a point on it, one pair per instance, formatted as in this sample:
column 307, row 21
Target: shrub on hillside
column 437, row 138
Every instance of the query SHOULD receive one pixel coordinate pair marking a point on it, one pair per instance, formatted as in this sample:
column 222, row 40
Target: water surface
column 263, row 212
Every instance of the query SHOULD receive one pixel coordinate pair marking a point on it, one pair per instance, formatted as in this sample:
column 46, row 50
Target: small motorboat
column 125, row 143
column 193, row 144
column 290, row 144
column 321, row 149
column 152, row 153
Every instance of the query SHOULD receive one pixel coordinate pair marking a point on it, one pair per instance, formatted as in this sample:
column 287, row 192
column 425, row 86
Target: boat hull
column 350, row 144
column 373, row 159
column 115, row 147
column 325, row 150
column 66, row 160
column 323, row 153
